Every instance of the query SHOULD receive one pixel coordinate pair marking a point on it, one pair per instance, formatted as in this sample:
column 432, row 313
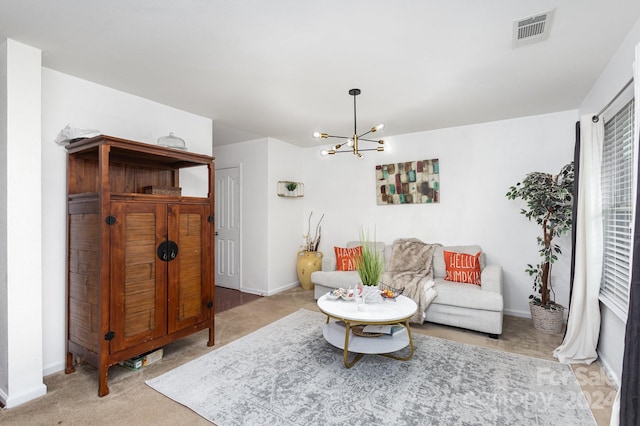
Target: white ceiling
column 283, row 68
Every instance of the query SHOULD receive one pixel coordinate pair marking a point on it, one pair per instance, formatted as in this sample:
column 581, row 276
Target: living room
column 478, row 164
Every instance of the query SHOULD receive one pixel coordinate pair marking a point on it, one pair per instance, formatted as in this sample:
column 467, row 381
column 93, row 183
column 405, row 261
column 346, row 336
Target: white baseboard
column 614, row 377
column 527, row 314
column 252, row 291
column 283, row 288
column 260, row 292
column 517, row 313
column 10, row 401
column 53, row 369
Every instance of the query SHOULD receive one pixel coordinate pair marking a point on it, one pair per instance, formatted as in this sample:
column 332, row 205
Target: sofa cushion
column 466, row 296
column 462, row 267
column 329, row 258
column 345, row 257
column 439, row 268
column 336, row 279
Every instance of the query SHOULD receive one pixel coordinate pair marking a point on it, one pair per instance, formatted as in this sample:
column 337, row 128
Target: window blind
column 617, row 199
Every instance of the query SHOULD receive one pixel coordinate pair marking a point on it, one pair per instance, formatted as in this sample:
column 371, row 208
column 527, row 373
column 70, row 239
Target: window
column 617, row 200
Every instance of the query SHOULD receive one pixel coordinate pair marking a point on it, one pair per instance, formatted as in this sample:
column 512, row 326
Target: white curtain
column 615, row 411
column 583, row 326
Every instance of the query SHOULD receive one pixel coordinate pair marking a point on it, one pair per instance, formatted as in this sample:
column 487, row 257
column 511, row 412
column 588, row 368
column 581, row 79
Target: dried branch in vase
column 312, row 244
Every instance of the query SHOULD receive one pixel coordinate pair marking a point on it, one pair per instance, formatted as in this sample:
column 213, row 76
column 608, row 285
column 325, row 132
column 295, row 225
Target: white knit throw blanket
column 411, row 267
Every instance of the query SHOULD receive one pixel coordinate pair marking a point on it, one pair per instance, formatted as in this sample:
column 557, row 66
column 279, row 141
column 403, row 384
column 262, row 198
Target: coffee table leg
column 345, row 355
column 408, row 357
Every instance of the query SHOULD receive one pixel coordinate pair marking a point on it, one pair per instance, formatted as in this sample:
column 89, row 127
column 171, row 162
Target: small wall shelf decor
column 289, row 188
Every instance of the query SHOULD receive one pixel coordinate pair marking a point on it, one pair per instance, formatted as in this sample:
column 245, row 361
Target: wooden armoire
column 140, row 255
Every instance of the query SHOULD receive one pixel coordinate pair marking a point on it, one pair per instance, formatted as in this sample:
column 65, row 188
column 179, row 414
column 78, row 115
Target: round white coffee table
column 350, row 313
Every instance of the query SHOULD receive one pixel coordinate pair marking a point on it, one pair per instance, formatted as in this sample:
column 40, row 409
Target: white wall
column 478, row 164
column 271, row 226
column 618, row 72
column 83, row 104
column 285, row 215
column 251, row 158
column 21, row 264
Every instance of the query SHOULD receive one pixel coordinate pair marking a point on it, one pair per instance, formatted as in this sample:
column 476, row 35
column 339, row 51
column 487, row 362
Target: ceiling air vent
column 532, row 29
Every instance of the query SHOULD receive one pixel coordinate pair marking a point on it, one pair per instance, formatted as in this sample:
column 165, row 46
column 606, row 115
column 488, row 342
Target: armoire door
column 190, row 273
column 138, row 275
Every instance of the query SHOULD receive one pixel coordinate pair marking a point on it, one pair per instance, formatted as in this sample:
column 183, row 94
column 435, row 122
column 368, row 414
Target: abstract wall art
column 411, row 182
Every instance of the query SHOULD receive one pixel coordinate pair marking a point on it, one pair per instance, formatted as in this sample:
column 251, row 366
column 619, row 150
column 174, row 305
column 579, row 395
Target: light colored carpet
column 287, row 374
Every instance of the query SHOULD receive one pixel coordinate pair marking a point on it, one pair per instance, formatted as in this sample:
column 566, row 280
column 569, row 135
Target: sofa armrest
column 328, row 263
column 491, row 278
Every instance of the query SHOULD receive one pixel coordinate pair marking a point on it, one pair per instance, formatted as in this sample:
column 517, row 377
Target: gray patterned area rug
column 287, row 374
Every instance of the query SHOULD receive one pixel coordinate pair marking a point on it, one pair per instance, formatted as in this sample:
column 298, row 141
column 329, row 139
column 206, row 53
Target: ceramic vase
column 308, row 262
column 371, row 293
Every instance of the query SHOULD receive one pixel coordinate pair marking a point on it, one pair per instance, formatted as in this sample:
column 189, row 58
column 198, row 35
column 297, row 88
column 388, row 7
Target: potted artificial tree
column 549, row 201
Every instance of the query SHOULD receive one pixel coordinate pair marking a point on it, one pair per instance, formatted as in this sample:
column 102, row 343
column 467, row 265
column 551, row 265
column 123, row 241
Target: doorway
column 227, row 224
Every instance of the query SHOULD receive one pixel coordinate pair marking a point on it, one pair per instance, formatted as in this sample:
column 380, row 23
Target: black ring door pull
column 167, row 251
column 162, row 251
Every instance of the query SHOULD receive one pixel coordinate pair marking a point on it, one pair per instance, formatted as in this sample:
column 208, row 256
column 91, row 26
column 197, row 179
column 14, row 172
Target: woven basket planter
column 547, row 320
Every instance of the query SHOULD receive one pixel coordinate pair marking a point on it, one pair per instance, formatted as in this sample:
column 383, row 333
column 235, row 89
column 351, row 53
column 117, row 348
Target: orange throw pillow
column 345, row 256
column 462, row 267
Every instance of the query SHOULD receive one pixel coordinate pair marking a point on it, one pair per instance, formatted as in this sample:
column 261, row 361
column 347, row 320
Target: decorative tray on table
column 343, row 293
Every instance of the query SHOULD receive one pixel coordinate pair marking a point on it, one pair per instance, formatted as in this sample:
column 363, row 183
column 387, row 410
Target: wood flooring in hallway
column 227, row 298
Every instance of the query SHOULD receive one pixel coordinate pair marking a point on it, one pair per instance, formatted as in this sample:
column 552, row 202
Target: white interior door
column 227, row 205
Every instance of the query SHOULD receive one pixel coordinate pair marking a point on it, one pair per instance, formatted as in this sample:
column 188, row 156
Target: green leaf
column 371, row 263
column 549, row 201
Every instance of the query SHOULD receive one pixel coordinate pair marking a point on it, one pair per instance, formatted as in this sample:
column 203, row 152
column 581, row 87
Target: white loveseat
column 469, row 306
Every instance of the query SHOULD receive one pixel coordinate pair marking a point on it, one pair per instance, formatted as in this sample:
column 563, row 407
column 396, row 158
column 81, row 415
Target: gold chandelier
column 351, row 143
